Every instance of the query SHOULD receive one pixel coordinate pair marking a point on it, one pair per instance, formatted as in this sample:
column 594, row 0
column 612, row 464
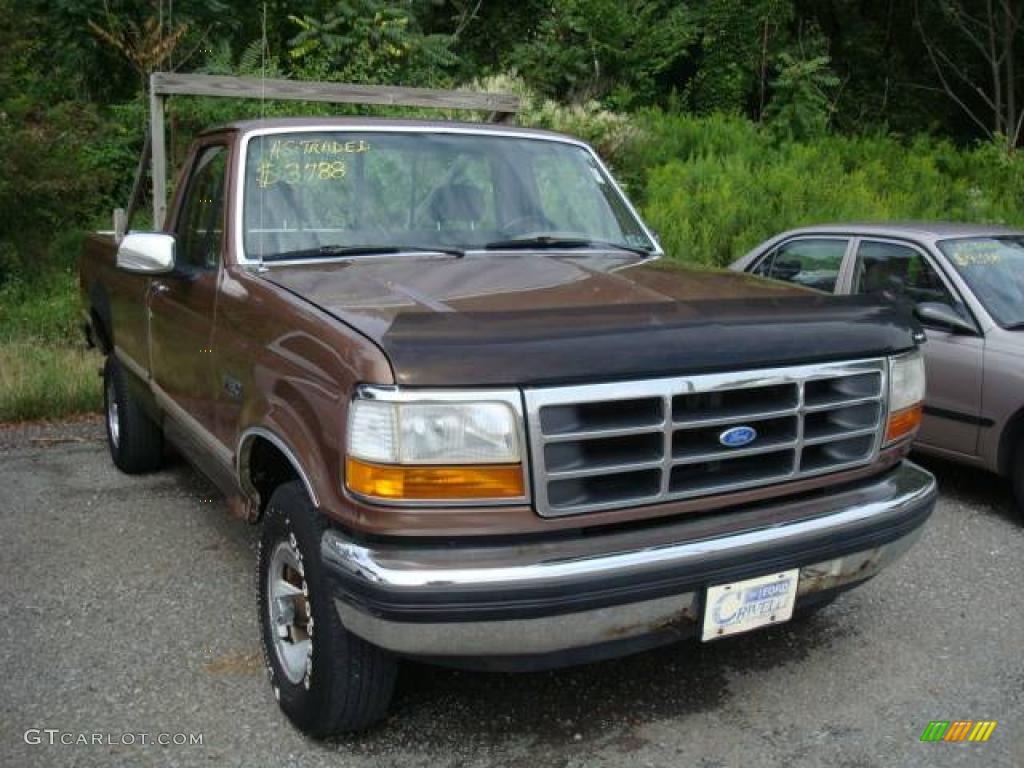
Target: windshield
column 309, row 193
column 993, row 267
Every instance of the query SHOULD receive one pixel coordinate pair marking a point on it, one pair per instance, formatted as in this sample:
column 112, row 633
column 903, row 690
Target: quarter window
column 811, row 262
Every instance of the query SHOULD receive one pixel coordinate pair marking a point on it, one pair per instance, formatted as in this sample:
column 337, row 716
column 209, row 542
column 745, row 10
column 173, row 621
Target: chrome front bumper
column 548, row 597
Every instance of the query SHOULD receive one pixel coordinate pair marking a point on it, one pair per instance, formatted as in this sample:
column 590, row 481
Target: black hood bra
column 591, row 344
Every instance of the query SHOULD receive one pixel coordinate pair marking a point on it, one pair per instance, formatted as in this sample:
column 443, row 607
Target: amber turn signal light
column 394, row 482
column 903, row 423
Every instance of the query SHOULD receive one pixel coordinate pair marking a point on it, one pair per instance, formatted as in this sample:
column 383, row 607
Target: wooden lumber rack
column 500, row 107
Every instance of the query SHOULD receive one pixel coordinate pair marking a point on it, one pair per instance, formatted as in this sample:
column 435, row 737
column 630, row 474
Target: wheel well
column 1012, row 433
column 100, row 333
column 265, row 468
column 264, row 463
column 99, row 318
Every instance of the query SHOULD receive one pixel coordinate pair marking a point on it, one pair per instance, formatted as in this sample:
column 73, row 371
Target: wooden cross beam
column 501, row 107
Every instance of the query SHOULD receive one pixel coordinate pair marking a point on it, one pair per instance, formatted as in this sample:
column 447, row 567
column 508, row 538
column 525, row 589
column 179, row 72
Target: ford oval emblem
column 737, row 437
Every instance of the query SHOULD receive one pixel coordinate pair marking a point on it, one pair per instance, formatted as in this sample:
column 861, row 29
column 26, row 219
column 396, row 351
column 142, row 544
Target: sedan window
column 898, row 270
column 811, row 262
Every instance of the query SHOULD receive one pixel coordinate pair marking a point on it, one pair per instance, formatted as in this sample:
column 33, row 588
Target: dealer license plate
column 745, row 605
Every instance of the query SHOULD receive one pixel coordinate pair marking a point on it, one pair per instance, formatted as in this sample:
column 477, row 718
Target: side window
column 811, row 262
column 898, row 270
column 201, row 221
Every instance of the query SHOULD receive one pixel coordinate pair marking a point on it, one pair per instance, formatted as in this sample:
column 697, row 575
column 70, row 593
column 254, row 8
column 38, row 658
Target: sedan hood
column 541, row 318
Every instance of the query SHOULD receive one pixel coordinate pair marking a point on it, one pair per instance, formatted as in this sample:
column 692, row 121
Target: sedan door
column 953, row 360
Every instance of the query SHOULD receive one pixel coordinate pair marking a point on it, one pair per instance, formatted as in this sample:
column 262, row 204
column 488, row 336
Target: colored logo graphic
column 958, row 730
column 737, row 437
column 733, row 607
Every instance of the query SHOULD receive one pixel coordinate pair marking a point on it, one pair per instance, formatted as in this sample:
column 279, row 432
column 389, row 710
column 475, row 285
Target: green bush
column 715, row 187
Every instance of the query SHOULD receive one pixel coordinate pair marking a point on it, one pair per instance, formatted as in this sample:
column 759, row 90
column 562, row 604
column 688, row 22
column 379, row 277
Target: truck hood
column 540, row 318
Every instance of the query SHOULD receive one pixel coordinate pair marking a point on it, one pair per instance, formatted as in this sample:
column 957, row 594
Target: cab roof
column 370, row 123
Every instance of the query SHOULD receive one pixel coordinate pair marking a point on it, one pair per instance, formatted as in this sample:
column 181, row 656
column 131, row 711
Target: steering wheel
column 288, row 195
column 537, row 222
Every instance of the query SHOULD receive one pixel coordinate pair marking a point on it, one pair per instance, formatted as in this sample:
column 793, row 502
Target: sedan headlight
column 432, row 450
column 906, row 395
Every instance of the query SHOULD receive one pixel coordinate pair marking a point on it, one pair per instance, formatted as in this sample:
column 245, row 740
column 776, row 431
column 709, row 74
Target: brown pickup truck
column 481, row 419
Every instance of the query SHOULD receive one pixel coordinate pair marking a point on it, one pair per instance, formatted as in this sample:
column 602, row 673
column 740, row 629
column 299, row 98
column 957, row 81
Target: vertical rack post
column 158, row 151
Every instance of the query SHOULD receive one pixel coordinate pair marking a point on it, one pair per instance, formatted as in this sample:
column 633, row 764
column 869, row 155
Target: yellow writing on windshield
column 270, row 173
column 289, row 147
column 972, row 253
column 306, row 161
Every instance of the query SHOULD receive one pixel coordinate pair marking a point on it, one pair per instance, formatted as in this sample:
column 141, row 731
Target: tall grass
column 44, row 310
column 45, row 369
column 47, row 381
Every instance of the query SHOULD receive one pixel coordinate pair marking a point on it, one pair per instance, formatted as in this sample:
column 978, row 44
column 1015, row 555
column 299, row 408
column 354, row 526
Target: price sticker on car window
column 972, row 253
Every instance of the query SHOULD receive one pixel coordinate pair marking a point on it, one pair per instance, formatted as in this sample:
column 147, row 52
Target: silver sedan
column 967, row 284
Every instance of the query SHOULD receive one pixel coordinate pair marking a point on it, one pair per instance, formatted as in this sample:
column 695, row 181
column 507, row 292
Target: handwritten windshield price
column 270, row 173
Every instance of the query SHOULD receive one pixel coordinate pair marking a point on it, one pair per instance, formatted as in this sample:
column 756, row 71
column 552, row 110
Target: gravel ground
column 127, row 607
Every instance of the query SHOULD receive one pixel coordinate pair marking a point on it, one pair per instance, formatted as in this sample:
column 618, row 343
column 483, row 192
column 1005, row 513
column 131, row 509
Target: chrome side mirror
column 944, row 316
column 148, row 253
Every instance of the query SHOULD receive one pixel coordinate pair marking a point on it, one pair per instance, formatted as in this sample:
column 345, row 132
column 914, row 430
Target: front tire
column 326, row 680
column 136, row 442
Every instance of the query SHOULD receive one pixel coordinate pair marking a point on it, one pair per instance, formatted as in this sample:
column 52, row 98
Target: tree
column 145, row 46
column 802, row 102
column 979, row 71
column 369, row 41
column 605, row 49
column 738, row 41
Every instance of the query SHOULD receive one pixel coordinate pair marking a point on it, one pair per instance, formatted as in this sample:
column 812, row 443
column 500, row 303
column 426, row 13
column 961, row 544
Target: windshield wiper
column 332, row 251
column 1019, row 326
column 551, row 241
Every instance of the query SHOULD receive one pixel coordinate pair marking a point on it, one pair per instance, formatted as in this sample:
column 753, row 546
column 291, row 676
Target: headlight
column 434, row 450
column 433, row 433
column 906, row 395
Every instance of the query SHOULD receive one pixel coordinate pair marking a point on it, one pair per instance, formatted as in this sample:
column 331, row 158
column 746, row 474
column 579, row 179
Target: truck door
column 182, row 304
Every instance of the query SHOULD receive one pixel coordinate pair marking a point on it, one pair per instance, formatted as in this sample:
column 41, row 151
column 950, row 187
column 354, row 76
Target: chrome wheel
column 289, row 612
column 113, row 417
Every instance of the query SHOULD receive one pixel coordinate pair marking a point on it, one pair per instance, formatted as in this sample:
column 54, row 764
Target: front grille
column 605, row 446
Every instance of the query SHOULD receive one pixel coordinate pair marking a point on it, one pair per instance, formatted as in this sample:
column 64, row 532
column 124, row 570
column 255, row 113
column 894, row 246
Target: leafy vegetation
column 728, row 186
column 621, row 59
column 727, row 120
column 364, row 41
